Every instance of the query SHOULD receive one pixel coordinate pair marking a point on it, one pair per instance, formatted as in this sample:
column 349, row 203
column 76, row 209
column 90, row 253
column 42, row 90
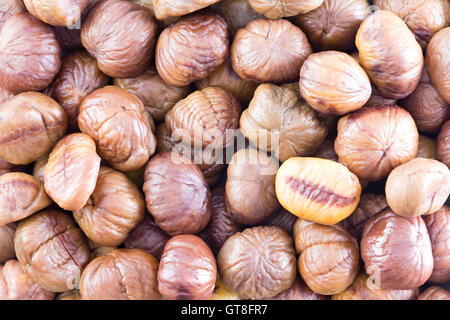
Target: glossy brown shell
column 174, row 8
column 269, row 51
column 258, row 262
column 30, row 55
column 277, row 9
column 30, row 124
column 7, row 250
column 438, row 62
column 396, row 251
column 52, row 250
column 434, row 293
column 438, row 225
column 443, row 144
column 299, row 291
column 57, row 12
column 10, row 8
column 78, row 77
column 121, row 36
column 374, row 140
column 122, row 274
column 176, row 194
column 333, row 25
column 187, row 270
column 121, row 127
column 71, row 172
column 390, row 54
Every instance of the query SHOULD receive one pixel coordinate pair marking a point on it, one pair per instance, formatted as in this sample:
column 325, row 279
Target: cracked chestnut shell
column 269, row 51
column 250, row 186
column 438, row 62
column 174, row 8
column 258, row 262
column 424, row 18
column 396, row 251
column 121, row 127
column 121, row 36
column 56, row 12
column 434, row 293
column 208, row 117
column 114, row 208
column 7, row 250
column 187, row 270
column 21, row 195
column 427, row 147
column 277, row 9
column 299, row 291
column 30, row 55
column 10, row 8
column 374, row 140
column 78, row 77
column 317, row 189
column 419, row 186
column 333, row 25
column 333, row 82
column 71, row 172
column 438, row 225
column 30, row 124
column 277, row 121
column 122, row 274
column 176, row 194
column 329, row 256
column 52, row 250
column 15, row 284
column 390, row 54
column 443, row 144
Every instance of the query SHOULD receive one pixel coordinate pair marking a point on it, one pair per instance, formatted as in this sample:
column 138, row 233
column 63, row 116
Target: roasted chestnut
column 438, row 62
column 55, row 12
column 10, row 8
column 434, row 293
column 174, row 8
column 277, row 9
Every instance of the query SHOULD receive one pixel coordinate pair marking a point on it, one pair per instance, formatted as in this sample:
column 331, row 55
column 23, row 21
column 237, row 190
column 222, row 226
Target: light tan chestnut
column 173, row 8
column 56, row 12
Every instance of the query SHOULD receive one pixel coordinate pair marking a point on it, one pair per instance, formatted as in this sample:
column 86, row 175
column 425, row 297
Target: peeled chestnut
column 121, row 36
column 10, row 8
column 443, row 144
column 176, row 194
column 187, row 269
column 269, row 51
column 434, row 293
column 30, row 124
column 390, row 54
column 277, row 121
column 427, row 147
column 438, row 62
column 277, row 9
column 258, row 262
column 122, row 274
column 174, row 8
column 299, row 291
column 7, row 250
column 56, row 12
column 374, row 140
column 30, row 55
column 396, row 251
column 120, row 126
column 4, row 95
column 78, row 77
column 52, row 250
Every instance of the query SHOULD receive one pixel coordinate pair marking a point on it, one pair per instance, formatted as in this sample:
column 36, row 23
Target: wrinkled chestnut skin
column 176, row 194
column 365, row 288
column 7, row 250
column 57, row 12
column 299, row 291
column 333, row 82
column 114, row 209
column 30, row 124
column 424, row 18
column 69, row 39
column 223, row 293
column 225, row 78
column 443, row 144
column 333, row 25
column 427, row 147
column 283, row 8
column 38, row 169
column 326, row 150
column 204, row 117
column 277, row 121
column 122, row 274
column 174, row 8
column 281, row 218
column 10, row 8
column 6, row 167
column 4, row 95
column 438, row 62
column 377, row 100
column 71, row 172
column 258, row 263
column 426, row 106
column 120, row 126
column 369, row 205
column 374, row 140
column 157, row 96
column 78, row 77
column 121, row 36
column 187, row 270
column 148, row 237
column 434, row 293
column 30, row 55
column 329, row 256
column 419, row 186
column 250, row 186
column 390, row 54
column 15, row 284
column 52, row 250
column 21, row 195
column 396, row 251
column 275, row 48
column 438, row 225
column 221, row 226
